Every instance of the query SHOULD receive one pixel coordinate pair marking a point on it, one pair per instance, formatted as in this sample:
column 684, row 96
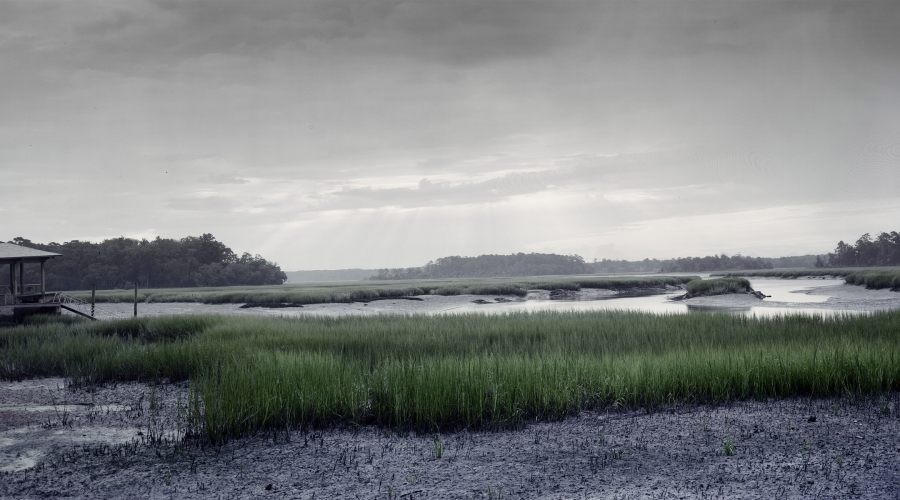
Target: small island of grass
column 717, row 286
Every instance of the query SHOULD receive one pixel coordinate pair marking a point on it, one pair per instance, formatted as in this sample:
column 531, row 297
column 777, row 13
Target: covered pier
column 18, row 292
column 17, row 257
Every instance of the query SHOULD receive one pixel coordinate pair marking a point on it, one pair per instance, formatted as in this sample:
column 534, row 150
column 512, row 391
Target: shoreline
column 833, row 298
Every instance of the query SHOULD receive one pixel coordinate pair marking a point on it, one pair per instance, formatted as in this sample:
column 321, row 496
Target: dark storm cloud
column 141, row 36
column 137, row 35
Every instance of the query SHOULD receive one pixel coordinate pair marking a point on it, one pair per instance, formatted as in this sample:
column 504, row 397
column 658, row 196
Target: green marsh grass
column 718, row 286
column 870, row 277
column 435, row 373
column 318, row 293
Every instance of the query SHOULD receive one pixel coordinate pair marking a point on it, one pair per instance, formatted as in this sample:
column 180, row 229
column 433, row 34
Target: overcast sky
column 381, row 133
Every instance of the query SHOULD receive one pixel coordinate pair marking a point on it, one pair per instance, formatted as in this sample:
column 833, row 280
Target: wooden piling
column 93, row 297
column 135, row 300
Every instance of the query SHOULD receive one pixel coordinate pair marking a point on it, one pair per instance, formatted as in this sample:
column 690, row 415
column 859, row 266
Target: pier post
column 135, row 300
column 93, row 297
column 13, row 284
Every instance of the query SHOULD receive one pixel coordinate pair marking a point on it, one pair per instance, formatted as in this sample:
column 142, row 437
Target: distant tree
column 882, row 251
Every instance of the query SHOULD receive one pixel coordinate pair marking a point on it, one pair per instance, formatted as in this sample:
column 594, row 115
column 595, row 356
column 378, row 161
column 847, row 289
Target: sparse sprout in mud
column 839, row 459
column 62, row 416
column 617, row 453
column 602, row 437
column 835, row 407
column 438, row 446
column 884, row 405
column 178, row 415
column 805, row 445
column 728, row 444
column 494, row 495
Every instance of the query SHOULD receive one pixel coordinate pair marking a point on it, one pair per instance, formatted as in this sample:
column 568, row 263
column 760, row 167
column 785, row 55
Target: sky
column 381, row 133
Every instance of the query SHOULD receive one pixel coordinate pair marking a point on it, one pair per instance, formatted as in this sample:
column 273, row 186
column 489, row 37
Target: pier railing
column 83, row 308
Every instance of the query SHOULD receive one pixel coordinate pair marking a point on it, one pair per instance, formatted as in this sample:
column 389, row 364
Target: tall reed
column 463, row 371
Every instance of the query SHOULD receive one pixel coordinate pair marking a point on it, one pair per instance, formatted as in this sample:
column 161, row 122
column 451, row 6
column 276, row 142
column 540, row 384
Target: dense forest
column 160, row 263
column 519, row 264
column 714, row 263
column 541, row 264
column 884, row 250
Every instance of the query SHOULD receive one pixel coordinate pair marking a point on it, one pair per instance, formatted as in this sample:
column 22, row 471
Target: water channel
column 790, row 292
column 787, row 296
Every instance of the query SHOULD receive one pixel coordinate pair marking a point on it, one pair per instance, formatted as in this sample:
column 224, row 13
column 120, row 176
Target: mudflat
column 841, row 297
column 834, row 297
column 121, row 441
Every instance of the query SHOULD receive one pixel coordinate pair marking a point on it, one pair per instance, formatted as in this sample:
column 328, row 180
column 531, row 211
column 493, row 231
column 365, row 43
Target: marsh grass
column 718, row 286
column 320, row 293
column 435, row 373
column 870, row 277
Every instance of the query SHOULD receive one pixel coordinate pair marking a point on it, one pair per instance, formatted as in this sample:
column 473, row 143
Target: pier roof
column 10, row 251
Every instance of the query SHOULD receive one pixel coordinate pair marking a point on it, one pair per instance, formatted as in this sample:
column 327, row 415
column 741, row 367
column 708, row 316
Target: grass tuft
column 718, row 286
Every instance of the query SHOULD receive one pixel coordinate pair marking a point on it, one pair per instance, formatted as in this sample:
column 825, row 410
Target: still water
column 787, row 291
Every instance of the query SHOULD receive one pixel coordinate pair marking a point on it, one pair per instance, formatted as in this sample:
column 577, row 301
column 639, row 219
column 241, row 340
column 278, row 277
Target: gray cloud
column 226, row 179
column 217, row 204
column 251, row 118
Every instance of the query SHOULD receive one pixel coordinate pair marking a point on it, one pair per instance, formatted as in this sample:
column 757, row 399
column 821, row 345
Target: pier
column 19, row 298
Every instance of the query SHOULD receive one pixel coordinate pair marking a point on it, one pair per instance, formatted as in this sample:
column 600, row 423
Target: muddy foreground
column 117, row 442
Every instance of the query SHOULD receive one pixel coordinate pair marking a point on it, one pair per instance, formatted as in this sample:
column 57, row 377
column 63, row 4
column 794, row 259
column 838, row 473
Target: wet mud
column 798, row 448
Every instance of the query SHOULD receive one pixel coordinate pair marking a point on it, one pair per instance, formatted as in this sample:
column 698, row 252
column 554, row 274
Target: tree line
column 542, row 264
column 159, row 263
column 715, row 263
column 518, row 264
column 884, row 250
column 699, row 264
